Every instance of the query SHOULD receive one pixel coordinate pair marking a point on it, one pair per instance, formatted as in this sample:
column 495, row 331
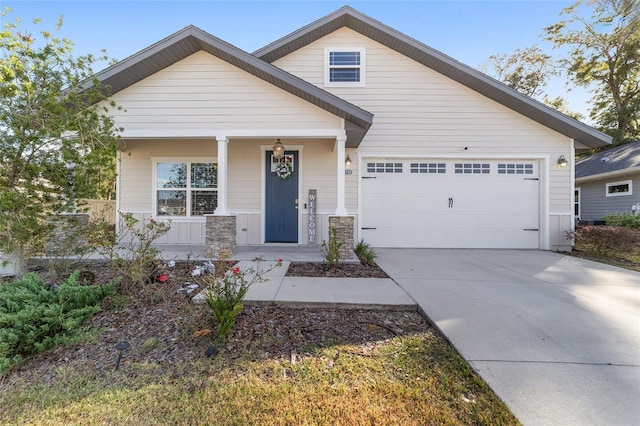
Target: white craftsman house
column 397, row 143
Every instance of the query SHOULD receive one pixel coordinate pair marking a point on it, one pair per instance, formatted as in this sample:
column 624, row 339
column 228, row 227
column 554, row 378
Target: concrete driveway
column 556, row 337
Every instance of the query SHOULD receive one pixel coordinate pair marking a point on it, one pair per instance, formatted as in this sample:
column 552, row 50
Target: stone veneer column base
column 344, row 231
column 220, row 234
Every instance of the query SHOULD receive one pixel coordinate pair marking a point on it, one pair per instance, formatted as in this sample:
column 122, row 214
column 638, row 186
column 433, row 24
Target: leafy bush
column 623, row 219
column 606, row 240
column 35, row 318
column 131, row 252
column 225, row 294
column 365, row 253
column 333, row 250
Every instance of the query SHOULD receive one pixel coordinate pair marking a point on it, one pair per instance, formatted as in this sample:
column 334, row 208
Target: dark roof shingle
column 619, row 158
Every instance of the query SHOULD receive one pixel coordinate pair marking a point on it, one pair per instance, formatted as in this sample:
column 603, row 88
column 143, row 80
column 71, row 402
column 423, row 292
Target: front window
column 616, row 189
column 186, row 188
column 344, row 67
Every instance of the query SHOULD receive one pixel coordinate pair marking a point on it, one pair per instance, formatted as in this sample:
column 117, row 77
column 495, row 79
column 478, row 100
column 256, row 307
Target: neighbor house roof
column 463, row 74
column 191, row 39
column 618, row 160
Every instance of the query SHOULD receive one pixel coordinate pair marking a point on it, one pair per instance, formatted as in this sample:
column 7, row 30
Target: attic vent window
column 344, row 67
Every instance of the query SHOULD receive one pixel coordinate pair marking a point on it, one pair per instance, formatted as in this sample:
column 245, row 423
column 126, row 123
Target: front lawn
column 278, row 366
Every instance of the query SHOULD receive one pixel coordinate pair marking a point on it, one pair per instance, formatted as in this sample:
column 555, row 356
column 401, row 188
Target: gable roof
column 191, row 39
column 431, row 58
column 619, row 159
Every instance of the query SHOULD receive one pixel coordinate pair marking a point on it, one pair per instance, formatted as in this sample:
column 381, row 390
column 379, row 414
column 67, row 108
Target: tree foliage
column 527, row 70
column 53, row 117
column 604, row 55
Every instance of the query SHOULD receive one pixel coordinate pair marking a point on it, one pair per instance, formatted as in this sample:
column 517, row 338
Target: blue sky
column 469, row 31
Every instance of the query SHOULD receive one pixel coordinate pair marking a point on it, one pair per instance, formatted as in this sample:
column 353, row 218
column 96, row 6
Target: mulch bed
column 345, row 270
column 168, row 332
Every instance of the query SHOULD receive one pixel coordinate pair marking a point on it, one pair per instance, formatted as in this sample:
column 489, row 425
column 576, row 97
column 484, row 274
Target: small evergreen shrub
column 365, row 253
column 35, row 318
column 606, row 240
column 627, row 220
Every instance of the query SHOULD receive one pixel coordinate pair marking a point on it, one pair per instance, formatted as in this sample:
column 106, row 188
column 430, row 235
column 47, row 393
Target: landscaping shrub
column 605, row 240
column 627, row 220
column 225, row 293
column 131, row 251
column 35, row 317
column 333, row 250
column 365, row 253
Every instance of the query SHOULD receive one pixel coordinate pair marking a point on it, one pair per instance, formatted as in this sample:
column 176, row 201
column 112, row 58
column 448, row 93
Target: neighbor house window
column 576, row 203
column 344, row 67
column 186, row 188
column 616, row 189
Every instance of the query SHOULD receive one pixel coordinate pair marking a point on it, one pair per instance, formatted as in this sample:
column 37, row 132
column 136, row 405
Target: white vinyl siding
column 420, row 112
column 201, row 95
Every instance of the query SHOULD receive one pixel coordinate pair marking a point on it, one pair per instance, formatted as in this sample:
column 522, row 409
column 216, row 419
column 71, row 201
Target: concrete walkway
column 556, row 337
column 364, row 293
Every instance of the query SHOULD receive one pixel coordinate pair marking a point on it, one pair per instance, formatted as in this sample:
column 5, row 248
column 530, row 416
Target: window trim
column 577, row 192
column 362, row 67
column 155, row 189
column 618, row 194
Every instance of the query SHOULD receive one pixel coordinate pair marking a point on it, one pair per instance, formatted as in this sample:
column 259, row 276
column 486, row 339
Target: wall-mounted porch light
column 562, row 162
column 347, row 162
column 278, row 150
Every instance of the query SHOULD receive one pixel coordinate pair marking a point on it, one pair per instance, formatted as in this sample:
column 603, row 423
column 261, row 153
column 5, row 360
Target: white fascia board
column 608, row 175
column 233, row 133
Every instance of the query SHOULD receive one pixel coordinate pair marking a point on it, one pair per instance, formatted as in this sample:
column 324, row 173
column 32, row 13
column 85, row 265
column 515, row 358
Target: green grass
column 412, row 380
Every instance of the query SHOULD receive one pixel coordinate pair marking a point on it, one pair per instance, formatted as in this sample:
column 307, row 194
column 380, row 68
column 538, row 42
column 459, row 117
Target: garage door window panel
column 515, row 169
column 472, row 168
column 386, row 167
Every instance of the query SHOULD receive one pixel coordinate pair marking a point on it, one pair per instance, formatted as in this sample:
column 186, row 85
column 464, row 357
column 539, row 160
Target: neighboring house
column 440, row 155
column 608, row 182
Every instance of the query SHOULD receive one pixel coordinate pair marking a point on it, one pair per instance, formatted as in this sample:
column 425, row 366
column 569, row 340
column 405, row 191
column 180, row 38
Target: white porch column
column 222, row 209
column 341, row 210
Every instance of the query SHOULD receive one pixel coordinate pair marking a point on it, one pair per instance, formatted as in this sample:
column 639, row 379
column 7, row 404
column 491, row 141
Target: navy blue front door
column 281, row 204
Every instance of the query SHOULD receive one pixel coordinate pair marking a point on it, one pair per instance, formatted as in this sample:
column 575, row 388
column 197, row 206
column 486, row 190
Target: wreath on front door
column 284, row 171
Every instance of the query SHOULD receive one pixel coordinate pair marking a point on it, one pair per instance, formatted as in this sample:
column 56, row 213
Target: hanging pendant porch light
column 278, row 150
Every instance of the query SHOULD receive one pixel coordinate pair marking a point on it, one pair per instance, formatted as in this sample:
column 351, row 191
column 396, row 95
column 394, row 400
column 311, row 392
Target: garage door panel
column 486, row 210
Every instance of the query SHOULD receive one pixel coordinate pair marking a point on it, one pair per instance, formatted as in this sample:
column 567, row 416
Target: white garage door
column 451, row 204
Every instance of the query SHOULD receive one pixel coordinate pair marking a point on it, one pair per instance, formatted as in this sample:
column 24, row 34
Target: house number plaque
column 313, row 203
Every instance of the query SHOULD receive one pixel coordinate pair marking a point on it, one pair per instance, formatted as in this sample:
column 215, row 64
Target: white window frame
column 578, row 202
column 188, row 189
column 618, row 194
column 327, row 67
